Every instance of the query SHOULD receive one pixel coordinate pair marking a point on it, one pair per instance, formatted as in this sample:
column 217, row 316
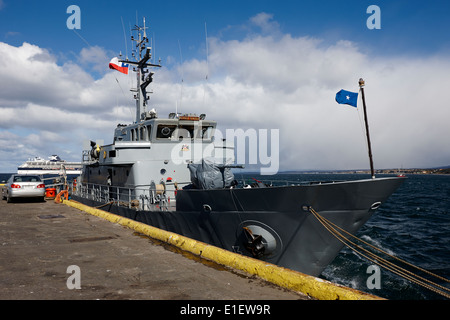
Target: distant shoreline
column 445, row 171
column 434, row 171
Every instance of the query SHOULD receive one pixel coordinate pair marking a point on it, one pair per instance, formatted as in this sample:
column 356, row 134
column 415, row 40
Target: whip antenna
column 207, row 55
column 182, row 76
column 207, row 65
column 125, row 39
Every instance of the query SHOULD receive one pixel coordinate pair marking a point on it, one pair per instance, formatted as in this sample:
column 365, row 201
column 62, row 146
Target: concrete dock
column 41, row 240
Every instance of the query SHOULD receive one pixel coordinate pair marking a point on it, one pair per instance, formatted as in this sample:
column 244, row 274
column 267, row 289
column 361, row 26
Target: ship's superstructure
column 153, row 150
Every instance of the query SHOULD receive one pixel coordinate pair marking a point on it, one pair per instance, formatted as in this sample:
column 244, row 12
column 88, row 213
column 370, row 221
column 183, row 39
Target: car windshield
column 27, row 179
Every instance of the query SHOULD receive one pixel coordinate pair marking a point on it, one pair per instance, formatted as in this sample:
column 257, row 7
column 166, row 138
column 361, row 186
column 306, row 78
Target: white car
column 23, row 186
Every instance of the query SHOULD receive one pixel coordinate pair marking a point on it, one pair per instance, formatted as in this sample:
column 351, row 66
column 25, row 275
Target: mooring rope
column 402, row 272
column 104, row 205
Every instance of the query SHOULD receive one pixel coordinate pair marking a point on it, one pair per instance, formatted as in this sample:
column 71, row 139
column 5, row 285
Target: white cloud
column 263, row 81
column 55, row 107
column 290, row 82
column 96, row 58
column 265, row 21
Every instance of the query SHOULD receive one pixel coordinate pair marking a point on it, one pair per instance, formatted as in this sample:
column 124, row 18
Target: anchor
column 254, row 243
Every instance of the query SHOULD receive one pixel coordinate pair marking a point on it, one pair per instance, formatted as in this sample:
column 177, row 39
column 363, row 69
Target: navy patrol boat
column 149, row 173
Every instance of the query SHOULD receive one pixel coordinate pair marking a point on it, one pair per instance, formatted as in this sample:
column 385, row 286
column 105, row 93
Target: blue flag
column 347, row 97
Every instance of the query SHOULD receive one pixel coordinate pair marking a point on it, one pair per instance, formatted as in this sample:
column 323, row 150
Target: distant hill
column 435, row 170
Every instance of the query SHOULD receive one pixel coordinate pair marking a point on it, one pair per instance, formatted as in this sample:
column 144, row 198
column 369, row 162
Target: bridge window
column 165, row 131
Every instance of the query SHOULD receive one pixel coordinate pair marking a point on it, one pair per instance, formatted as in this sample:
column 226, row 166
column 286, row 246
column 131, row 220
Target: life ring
column 61, row 194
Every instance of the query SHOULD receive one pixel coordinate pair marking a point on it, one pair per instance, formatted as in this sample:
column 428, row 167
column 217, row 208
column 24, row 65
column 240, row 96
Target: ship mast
column 142, row 55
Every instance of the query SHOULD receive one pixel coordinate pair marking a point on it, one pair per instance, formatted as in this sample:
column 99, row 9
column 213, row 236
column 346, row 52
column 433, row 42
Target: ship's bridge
column 174, row 128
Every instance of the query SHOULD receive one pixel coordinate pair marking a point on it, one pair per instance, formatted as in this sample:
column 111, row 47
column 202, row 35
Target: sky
column 248, row 64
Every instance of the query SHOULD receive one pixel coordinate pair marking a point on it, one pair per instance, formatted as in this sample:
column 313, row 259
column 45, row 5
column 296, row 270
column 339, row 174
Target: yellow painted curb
column 286, row 278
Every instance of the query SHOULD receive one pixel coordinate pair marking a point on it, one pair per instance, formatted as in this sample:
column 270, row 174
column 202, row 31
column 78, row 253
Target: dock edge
column 293, row 280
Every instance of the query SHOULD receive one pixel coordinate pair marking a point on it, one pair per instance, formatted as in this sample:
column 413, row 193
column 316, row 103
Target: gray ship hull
column 273, row 223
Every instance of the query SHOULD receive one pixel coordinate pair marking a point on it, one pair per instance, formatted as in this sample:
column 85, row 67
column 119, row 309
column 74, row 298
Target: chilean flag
column 119, row 66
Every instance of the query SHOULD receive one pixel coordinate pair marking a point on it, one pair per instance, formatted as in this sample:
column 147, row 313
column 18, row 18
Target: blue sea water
column 4, row 177
column 413, row 224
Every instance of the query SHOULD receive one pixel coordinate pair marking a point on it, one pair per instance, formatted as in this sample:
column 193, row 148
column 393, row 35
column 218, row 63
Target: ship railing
column 155, row 197
column 246, row 183
column 143, row 197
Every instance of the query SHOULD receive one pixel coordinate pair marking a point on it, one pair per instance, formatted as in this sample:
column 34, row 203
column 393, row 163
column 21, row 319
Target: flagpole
column 361, row 86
